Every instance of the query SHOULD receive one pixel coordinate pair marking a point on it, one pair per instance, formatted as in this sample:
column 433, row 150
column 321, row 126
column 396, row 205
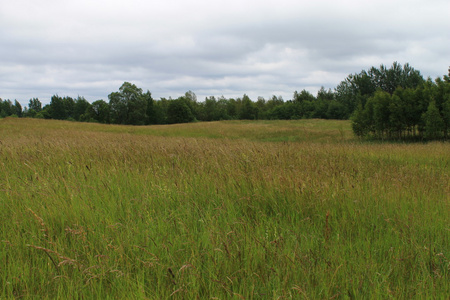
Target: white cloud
column 228, row 48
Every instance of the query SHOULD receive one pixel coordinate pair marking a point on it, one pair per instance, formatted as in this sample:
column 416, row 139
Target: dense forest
column 387, row 103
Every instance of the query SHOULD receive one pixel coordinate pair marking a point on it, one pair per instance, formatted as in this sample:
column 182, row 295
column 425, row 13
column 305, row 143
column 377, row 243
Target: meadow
column 221, row 210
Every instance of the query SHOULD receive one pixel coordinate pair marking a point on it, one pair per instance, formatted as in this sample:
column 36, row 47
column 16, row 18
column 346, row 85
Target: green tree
column 210, row 107
column 434, row 124
column 261, row 108
column 137, row 110
column 45, row 113
column 150, row 109
column 81, row 110
column 117, row 108
column 17, row 108
column 285, row 111
column 388, row 79
column 303, row 110
column 336, row 110
column 446, row 117
column 303, row 96
column 359, row 122
column 321, row 103
column 214, row 110
column 6, row 108
column 447, row 77
column 408, row 105
column 397, row 116
column 381, row 113
column 362, row 86
column 191, row 101
column 323, row 94
column 441, row 92
column 232, row 108
column 274, row 101
column 99, row 111
column 128, row 105
column 222, row 109
column 57, row 109
column 69, row 107
column 178, row 111
column 160, row 108
column 35, row 105
column 248, row 109
column 356, row 88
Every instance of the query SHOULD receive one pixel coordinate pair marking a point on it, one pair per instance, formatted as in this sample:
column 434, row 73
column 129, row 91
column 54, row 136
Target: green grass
column 324, row 131
column 221, row 210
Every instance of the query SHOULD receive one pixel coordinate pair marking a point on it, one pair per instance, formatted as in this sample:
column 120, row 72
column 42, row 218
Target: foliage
column 434, row 124
column 359, row 87
column 6, row 108
column 247, row 109
column 128, row 106
column 178, row 111
column 407, row 113
column 99, row 111
column 382, row 102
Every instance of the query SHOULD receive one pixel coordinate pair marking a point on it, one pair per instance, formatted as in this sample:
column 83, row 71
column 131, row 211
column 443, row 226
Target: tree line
column 393, row 103
column 131, row 106
column 398, row 103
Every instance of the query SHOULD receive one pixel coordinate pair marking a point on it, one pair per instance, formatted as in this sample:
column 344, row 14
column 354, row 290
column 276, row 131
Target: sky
column 213, row 48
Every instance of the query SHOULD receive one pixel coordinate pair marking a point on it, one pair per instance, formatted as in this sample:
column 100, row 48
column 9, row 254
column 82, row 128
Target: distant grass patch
column 221, row 210
column 322, row 131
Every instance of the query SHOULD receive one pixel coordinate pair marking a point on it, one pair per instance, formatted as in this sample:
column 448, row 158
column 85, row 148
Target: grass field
column 221, row 210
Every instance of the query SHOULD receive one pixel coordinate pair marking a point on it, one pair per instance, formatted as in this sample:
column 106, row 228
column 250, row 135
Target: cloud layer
column 229, row 48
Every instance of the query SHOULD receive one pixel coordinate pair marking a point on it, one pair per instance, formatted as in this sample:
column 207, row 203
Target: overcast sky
column 261, row 48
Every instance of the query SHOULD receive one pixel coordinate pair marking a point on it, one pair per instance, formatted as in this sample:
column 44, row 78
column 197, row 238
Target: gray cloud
column 229, row 48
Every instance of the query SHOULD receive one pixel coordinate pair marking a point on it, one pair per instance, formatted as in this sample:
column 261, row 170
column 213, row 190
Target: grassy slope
column 222, row 209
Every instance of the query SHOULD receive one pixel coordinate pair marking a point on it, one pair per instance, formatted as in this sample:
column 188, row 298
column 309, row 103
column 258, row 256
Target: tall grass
column 254, row 210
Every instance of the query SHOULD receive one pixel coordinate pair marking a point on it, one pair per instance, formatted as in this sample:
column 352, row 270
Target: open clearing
column 221, row 210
